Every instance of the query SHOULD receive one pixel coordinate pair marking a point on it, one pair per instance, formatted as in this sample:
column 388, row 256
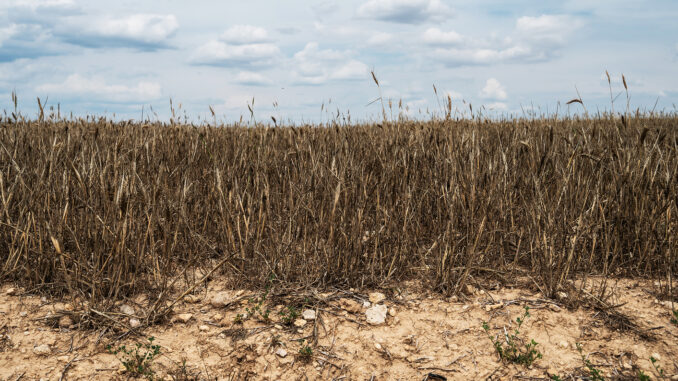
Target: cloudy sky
column 114, row 58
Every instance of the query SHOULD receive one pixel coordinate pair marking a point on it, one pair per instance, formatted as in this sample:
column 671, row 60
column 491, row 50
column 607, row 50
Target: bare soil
column 423, row 334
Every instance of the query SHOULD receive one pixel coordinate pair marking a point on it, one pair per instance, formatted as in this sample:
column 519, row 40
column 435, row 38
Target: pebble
column 564, row 344
column 11, row 291
column 204, row 328
column 221, row 299
column 492, row 307
column 23, row 313
column 657, row 356
column 127, row 309
column 281, row 352
column 299, row 323
column 392, row 311
column 184, row 318
column 192, row 298
column 470, row 289
column 134, row 323
column 366, row 304
column 42, row 350
column 308, row 314
column 376, row 315
column 376, row 297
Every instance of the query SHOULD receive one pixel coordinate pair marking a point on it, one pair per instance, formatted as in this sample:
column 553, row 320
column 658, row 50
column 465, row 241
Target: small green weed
column 509, row 346
column 287, row 316
column 643, row 377
column 657, row 368
column 596, row 374
column 674, row 319
column 139, row 359
column 306, row 352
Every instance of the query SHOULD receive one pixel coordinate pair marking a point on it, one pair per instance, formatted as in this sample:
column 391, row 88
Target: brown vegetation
column 101, row 210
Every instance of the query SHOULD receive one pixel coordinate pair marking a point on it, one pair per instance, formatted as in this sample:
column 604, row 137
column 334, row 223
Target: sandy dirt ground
column 211, row 336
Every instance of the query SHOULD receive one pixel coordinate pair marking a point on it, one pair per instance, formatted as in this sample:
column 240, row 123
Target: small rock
column 299, row 323
column 376, row 297
column 657, row 356
column 376, row 315
column 350, row 305
column 192, row 298
column 62, row 358
column 204, row 328
column 454, row 299
column 278, row 326
column 674, row 377
column 562, row 295
column 470, row 289
column 127, row 309
column 308, row 315
column 392, row 311
column 366, row 304
column 564, row 344
column 183, row 318
column 217, row 317
column 221, row 299
column 43, row 299
column 492, row 307
column 42, row 350
column 281, row 352
column 134, row 323
column 378, row 346
column 11, row 291
column 65, row 321
column 23, row 313
column 627, row 366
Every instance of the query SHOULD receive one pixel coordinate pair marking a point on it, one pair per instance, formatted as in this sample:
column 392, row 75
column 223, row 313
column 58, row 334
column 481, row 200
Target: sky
column 309, row 61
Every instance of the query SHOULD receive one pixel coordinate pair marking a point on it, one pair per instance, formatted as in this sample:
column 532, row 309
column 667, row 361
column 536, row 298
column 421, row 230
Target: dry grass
column 100, row 210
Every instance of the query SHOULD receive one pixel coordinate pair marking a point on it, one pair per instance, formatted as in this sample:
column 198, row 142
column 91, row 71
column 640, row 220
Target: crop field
column 97, row 212
column 104, row 210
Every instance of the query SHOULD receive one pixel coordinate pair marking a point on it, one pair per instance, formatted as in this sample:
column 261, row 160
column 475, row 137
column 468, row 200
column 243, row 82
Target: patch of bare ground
column 222, row 334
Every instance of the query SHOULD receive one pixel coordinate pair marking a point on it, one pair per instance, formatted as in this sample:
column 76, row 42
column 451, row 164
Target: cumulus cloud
column 235, row 48
column 244, row 34
column 547, row 29
column 141, row 31
column 27, row 41
column 435, row 36
column 8, row 32
column 493, row 90
column 405, row 11
column 533, row 39
column 380, row 38
column 78, row 85
column 315, row 66
column 252, row 79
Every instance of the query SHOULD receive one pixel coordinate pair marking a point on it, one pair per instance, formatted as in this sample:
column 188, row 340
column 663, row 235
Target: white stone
column 376, row 297
column 42, row 350
column 134, row 323
column 221, row 299
column 564, row 344
column 184, row 318
column 366, row 304
column 11, row 291
column 204, row 328
column 376, row 315
column 308, row 315
column 392, row 311
column 281, row 352
column 656, row 356
column 127, row 309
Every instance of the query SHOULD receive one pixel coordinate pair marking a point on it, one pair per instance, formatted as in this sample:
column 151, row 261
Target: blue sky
column 113, row 58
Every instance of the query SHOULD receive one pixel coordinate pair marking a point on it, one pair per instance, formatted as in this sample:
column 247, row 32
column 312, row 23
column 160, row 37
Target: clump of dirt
column 325, row 336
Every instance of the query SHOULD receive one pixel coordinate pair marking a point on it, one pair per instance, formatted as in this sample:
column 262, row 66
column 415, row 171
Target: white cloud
column 493, row 90
column 435, row 36
column 497, row 106
column 380, row 38
column 146, row 28
column 97, row 87
column 481, row 56
column 315, row 66
column 8, row 32
column 547, row 29
column 405, row 11
column 245, row 34
column 252, row 79
column 220, row 53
